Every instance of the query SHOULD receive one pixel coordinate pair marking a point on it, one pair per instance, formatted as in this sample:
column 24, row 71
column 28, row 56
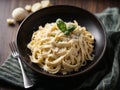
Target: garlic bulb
column 19, row 14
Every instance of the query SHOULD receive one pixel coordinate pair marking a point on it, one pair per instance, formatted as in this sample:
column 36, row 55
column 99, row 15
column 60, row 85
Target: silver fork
column 15, row 54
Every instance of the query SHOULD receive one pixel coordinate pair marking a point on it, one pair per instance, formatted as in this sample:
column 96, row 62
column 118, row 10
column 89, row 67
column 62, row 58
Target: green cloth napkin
column 106, row 75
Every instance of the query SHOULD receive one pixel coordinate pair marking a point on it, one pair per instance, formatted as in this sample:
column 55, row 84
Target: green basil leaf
column 66, row 32
column 71, row 28
column 61, row 25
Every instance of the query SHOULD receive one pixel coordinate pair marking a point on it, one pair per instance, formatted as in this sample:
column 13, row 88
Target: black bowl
column 67, row 13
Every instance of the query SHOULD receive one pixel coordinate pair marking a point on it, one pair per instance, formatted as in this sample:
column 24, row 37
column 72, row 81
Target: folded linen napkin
column 106, row 75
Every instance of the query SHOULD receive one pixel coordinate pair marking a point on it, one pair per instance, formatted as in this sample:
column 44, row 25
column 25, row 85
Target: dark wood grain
column 8, row 33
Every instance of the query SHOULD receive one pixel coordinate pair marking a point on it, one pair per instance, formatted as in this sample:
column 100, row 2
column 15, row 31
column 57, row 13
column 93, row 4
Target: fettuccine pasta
column 56, row 52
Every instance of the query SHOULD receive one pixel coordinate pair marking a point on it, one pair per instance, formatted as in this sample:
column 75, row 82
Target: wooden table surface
column 8, row 33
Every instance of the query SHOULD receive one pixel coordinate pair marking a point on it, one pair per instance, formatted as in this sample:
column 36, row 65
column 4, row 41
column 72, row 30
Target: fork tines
column 13, row 46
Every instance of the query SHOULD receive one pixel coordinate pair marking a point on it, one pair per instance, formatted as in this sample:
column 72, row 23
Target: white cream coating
column 55, row 52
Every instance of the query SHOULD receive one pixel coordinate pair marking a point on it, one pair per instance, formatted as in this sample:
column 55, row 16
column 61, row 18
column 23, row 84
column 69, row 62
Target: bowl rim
column 76, row 73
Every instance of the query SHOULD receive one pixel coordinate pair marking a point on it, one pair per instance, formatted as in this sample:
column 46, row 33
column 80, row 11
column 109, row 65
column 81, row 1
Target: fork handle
column 26, row 80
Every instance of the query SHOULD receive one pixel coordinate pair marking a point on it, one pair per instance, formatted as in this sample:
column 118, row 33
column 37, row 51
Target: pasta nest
column 56, row 52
